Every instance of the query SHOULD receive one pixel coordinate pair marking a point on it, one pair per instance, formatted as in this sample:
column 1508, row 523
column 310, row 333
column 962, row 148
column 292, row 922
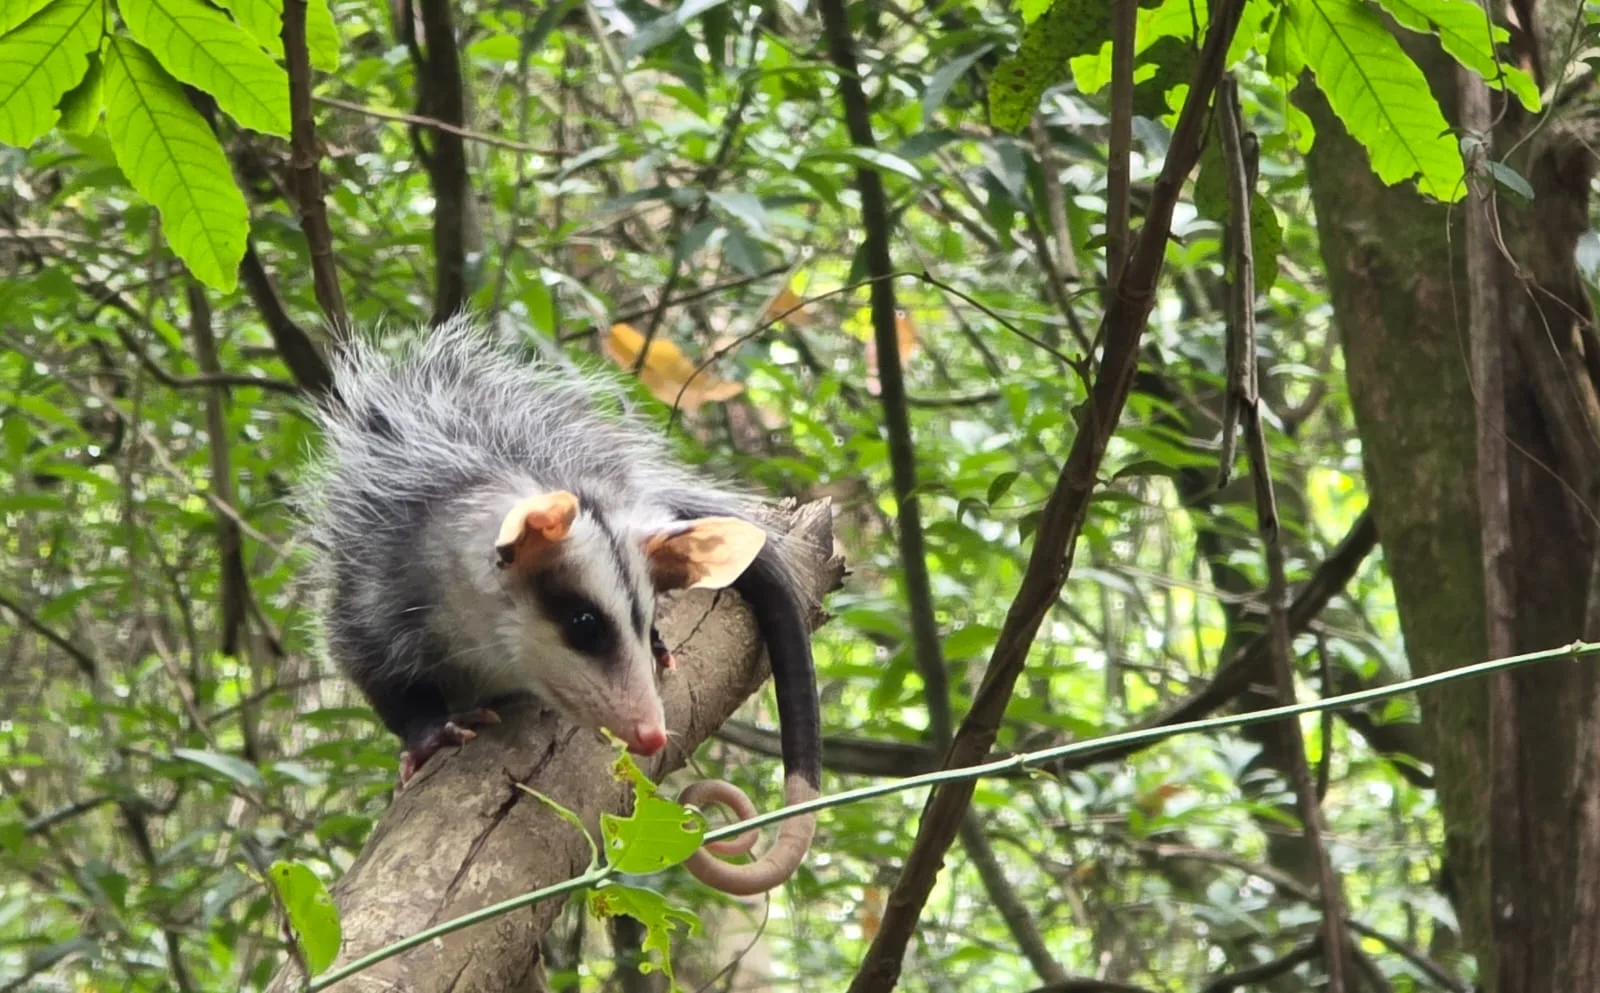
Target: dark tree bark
column 1398, row 283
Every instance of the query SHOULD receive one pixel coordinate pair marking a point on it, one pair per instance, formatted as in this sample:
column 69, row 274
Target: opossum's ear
column 708, row 553
column 532, row 526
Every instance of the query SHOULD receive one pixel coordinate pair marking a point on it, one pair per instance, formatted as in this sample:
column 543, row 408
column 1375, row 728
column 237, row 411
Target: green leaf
column 658, row 834
column 650, row 909
column 1000, row 485
column 200, row 46
column 1465, row 33
column 264, row 20
column 81, row 107
column 40, row 61
column 174, row 161
column 662, row 28
column 14, row 12
column 1511, row 179
column 233, row 768
column 939, row 86
column 867, row 158
column 1031, row 9
column 311, row 913
column 743, row 252
column 1380, row 94
column 746, row 207
column 1068, row 29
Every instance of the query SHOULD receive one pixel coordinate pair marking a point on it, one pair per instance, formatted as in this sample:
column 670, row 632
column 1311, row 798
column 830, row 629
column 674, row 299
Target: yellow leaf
column 788, row 306
column 666, row 369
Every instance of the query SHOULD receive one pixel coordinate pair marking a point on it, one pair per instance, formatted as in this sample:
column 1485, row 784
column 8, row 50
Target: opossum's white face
column 589, row 586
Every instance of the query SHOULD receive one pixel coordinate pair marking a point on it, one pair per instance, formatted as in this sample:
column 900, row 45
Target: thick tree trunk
column 1397, row 283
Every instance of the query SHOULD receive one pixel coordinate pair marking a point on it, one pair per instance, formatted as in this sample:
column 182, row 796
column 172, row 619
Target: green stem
column 1014, row 762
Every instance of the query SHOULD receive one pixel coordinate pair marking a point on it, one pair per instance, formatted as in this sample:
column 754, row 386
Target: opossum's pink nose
column 647, row 739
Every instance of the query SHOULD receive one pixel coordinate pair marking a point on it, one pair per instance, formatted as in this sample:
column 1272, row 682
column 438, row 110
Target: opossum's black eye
column 586, row 631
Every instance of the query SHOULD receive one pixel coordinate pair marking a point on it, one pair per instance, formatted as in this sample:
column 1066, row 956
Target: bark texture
column 463, row 836
column 1395, row 272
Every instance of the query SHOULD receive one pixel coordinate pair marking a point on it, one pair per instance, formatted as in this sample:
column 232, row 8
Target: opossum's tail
column 773, row 591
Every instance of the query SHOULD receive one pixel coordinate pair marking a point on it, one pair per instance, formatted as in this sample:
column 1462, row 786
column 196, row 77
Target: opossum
column 481, row 528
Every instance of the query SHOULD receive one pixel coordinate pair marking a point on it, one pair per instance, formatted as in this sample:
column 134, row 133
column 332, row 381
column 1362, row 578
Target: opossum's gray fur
column 472, row 411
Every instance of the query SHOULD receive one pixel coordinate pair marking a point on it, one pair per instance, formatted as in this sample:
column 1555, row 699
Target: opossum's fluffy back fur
column 430, row 414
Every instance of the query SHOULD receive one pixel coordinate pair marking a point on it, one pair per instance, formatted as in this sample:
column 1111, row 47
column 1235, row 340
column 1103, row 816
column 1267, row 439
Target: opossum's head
column 588, row 584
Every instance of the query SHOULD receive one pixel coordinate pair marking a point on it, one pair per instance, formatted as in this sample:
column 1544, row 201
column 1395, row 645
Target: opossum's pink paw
column 456, row 731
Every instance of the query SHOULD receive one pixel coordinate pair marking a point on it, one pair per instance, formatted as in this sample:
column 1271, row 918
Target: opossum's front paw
column 455, row 730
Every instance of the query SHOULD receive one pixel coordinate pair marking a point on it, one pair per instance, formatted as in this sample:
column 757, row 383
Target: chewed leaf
column 1380, row 94
column 174, row 161
column 651, row 910
column 41, row 60
column 311, row 913
column 199, row 45
column 659, row 834
column 264, row 20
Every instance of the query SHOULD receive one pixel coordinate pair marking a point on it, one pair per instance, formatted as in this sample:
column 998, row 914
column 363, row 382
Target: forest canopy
column 1126, row 363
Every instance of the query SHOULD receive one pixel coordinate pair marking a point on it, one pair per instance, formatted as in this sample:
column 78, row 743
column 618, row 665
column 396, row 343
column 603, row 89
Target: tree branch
column 305, row 163
column 441, row 96
column 897, row 422
column 1061, row 519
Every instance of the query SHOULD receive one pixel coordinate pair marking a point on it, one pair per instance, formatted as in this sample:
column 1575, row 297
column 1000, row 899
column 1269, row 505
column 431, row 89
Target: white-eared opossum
column 481, row 529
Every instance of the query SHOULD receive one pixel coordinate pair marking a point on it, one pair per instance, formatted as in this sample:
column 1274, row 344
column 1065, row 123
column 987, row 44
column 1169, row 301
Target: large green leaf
column 1068, row 28
column 173, row 160
column 264, row 20
column 14, row 12
column 81, row 107
column 40, row 61
column 1465, row 32
column 199, row 45
column 311, row 912
column 1380, row 94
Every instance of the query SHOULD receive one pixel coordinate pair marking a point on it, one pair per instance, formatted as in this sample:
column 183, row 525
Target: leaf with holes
column 1465, row 33
column 264, row 20
column 1069, row 28
column 311, row 913
column 1380, row 94
column 40, row 61
column 650, row 909
column 199, row 45
column 174, row 161
column 658, row 834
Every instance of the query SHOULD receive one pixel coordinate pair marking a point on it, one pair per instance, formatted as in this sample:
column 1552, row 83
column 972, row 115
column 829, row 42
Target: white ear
column 532, row 526
column 709, row 553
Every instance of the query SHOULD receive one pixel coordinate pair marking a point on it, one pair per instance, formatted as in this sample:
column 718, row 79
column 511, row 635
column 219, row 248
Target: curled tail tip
column 775, row 866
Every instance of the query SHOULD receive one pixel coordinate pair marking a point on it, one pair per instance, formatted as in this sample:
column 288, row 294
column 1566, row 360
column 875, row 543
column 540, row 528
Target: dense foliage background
column 622, row 171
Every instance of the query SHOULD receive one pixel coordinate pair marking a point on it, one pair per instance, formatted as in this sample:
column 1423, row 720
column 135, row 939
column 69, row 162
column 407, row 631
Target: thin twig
column 435, row 124
column 926, row 649
column 1241, row 313
column 305, row 162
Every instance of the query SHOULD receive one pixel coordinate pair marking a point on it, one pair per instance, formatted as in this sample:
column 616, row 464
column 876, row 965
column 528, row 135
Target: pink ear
column 533, row 526
column 708, row 553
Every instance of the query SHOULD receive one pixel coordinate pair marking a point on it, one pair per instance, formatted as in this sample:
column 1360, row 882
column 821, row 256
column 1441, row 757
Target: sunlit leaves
column 201, row 46
column 1380, row 94
column 1465, row 32
column 81, row 107
column 173, row 160
column 41, row 60
column 264, row 20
